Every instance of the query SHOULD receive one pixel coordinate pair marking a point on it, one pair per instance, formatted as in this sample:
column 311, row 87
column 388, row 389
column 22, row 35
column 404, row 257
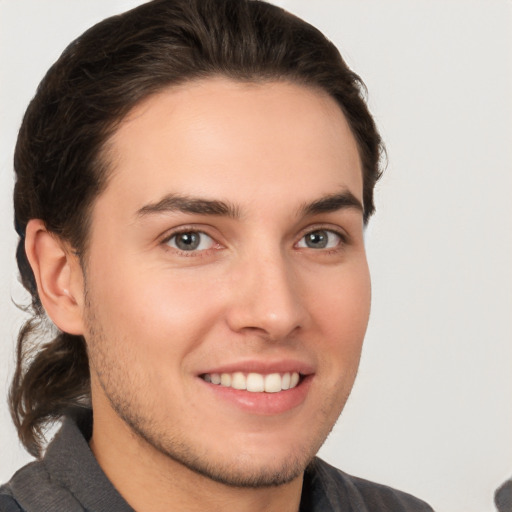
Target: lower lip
column 263, row 403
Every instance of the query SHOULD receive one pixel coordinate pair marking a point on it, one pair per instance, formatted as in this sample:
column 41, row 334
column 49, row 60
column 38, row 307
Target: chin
column 240, row 465
column 246, row 472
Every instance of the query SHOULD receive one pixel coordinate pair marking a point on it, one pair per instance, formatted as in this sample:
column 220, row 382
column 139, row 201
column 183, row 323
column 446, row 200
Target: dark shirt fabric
column 503, row 497
column 68, row 479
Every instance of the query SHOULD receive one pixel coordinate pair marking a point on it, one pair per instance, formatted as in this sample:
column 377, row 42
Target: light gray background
column 431, row 411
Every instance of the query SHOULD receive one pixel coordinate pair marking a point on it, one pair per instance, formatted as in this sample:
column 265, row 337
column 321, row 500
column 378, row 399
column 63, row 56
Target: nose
column 266, row 300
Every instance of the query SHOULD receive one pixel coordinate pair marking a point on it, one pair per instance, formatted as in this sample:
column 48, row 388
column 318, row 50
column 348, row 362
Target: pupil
column 187, row 241
column 317, row 239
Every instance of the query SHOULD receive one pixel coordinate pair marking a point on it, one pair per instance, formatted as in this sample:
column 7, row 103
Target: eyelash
column 193, row 253
column 343, row 237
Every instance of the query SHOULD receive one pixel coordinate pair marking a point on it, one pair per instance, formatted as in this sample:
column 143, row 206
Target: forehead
column 217, row 137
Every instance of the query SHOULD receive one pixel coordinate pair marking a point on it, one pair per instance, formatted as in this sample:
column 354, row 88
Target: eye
column 320, row 239
column 191, row 241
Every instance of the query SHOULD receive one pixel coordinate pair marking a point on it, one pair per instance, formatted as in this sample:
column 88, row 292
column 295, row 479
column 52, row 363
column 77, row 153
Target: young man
column 193, row 181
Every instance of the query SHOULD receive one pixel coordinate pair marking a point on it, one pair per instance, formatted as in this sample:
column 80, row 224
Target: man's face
column 228, row 245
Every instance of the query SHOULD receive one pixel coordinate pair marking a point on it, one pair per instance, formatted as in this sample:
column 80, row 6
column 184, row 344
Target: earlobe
column 58, row 276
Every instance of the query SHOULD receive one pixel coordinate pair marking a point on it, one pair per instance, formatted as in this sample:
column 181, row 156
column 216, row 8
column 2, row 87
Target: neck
column 151, row 481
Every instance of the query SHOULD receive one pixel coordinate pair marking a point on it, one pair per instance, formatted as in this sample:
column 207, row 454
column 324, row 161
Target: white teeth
column 225, row 379
column 273, row 383
column 255, row 382
column 238, row 381
column 285, row 383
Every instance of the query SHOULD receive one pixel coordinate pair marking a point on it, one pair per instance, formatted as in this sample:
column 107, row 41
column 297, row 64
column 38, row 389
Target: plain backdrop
column 431, row 411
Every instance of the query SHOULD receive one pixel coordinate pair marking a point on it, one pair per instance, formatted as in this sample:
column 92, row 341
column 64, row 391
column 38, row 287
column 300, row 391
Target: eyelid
column 170, row 234
column 337, row 230
column 201, row 241
column 206, row 230
column 184, row 228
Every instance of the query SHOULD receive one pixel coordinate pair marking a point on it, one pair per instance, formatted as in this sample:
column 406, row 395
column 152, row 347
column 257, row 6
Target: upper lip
column 264, row 367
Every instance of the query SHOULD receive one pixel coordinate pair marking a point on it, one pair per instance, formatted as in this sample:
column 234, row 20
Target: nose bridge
column 267, row 298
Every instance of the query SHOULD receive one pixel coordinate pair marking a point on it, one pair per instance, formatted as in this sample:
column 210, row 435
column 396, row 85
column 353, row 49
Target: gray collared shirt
column 68, row 479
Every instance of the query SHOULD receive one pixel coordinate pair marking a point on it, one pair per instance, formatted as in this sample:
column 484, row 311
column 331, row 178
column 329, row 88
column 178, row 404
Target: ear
column 58, row 275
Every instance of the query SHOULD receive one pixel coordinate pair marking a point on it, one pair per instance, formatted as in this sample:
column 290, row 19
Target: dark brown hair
column 97, row 80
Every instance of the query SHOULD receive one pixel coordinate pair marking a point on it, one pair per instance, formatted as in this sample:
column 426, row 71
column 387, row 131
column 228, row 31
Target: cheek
column 344, row 299
column 341, row 313
column 167, row 311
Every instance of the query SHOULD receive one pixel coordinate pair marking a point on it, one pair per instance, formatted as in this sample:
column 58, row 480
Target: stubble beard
column 241, row 472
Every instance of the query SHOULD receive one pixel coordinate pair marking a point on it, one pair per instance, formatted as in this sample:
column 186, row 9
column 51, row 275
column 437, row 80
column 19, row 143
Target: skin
column 156, row 317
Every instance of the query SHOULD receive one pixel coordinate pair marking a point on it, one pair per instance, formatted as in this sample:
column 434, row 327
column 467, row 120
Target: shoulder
column 32, row 489
column 387, row 497
column 24, row 481
column 7, row 502
column 363, row 494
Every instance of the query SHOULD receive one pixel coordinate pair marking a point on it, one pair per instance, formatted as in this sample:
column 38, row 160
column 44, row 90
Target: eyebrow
column 188, row 204
column 332, row 203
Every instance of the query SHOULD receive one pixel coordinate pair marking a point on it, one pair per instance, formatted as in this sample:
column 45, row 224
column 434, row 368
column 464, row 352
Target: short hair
column 61, row 161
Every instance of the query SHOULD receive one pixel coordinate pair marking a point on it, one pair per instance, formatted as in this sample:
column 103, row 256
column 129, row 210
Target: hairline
column 106, row 158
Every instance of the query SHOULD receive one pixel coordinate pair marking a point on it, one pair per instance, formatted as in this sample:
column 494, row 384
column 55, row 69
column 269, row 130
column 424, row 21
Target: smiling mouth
column 255, row 382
